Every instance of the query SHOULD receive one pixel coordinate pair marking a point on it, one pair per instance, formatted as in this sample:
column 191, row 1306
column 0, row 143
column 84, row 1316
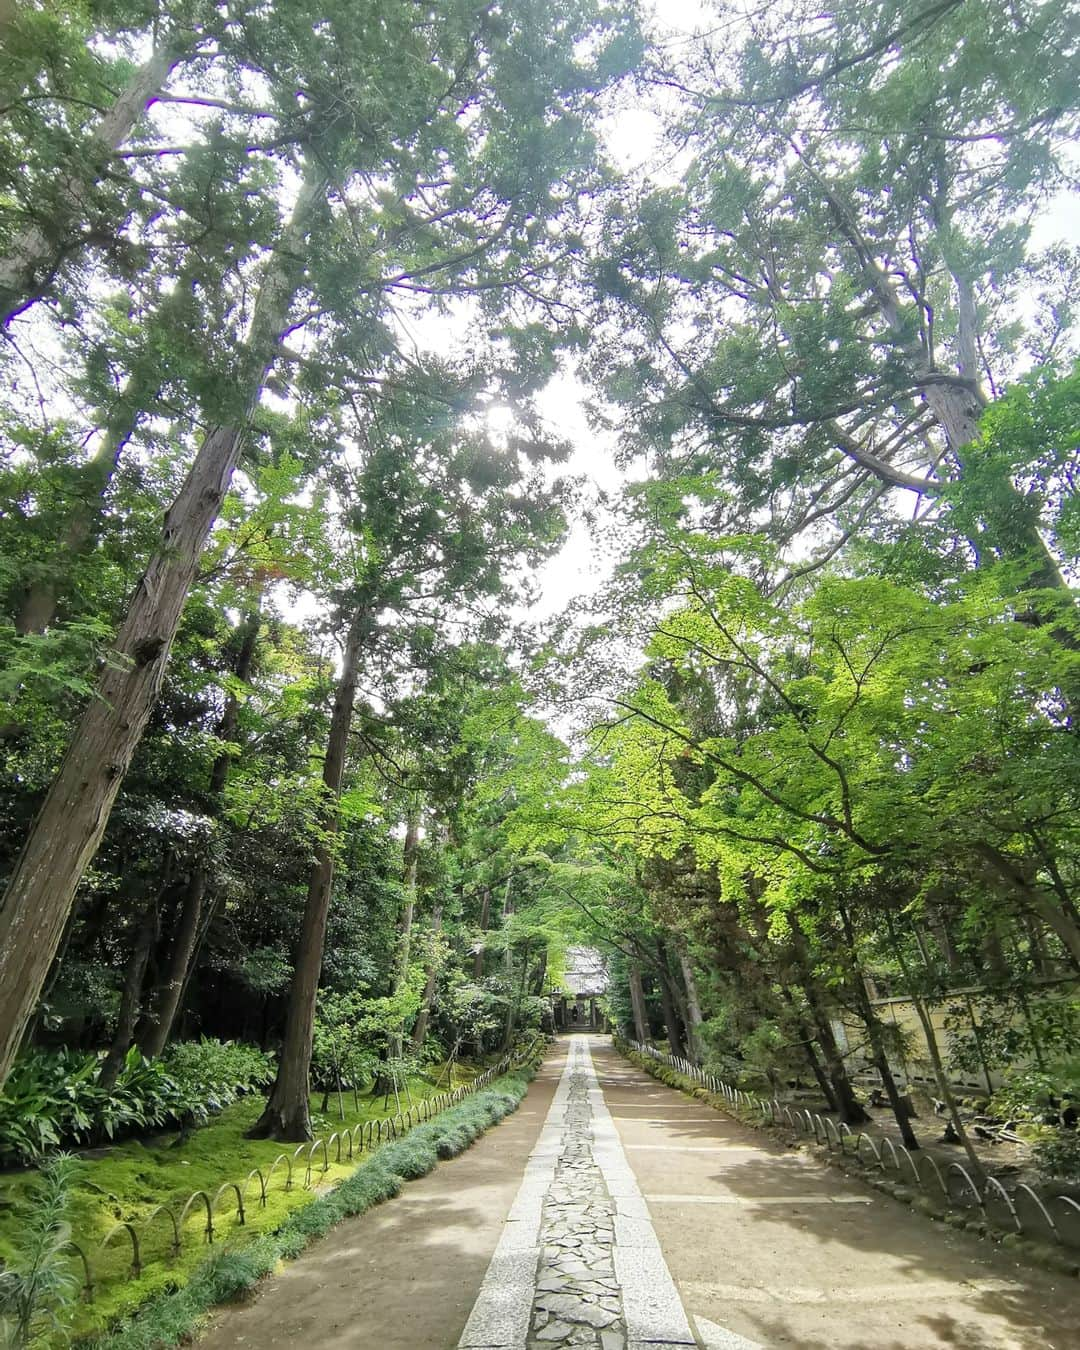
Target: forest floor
column 614, row 1212
column 128, row 1181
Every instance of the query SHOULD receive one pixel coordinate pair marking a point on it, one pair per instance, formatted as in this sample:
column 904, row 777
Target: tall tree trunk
column 678, row 994
column 190, row 928
column 485, row 919
column 872, row 1022
column 154, row 1033
column 667, row 1005
column 693, row 1003
column 30, row 259
column 287, row 1114
column 409, row 854
column 812, row 1058
column 637, row 1004
column 130, row 995
column 515, row 1002
column 423, row 1018
column 933, row 1050
column 541, row 974
column 508, row 964
column 850, row 1109
column 68, row 828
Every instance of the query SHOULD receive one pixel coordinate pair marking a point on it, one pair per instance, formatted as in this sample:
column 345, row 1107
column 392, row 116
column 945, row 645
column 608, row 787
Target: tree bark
column 872, row 1022
column 693, row 1002
column 930, row 1036
column 31, row 259
column 287, row 1114
column 515, row 1001
column 541, row 974
column 423, row 1018
column 667, row 1004
column 637, row 1004
column 69, row 826
column 850, row 1110
column 154, row 1034
column 812, row 1059
column 485, row 919
column 130, row 996
column 409, row 854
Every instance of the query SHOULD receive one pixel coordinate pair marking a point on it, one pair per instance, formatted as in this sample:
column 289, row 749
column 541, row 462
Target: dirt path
column 405, row 1275
column 768, row 1246
column 612, row 1211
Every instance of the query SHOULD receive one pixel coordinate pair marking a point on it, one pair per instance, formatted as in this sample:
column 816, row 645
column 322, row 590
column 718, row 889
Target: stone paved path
column 577, row 1294
column 613, row 1212
column 578, row 1262
column 646, row 1220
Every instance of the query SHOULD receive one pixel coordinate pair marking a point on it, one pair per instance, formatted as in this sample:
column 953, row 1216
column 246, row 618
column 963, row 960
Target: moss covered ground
column 129, row 1181
column 169, row 1318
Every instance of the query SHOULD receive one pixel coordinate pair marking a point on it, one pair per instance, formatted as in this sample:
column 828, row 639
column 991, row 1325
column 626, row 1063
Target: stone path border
column 651, row 1309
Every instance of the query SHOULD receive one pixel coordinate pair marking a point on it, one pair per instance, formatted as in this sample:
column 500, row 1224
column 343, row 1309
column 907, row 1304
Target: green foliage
column 40, row 1284
column 1056, row 1155
column 1038, row 1098
column 1037, row 1095
column 172, row 1316
column 54, row 1098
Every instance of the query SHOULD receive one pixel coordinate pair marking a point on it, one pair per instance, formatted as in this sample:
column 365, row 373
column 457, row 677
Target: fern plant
column 40, row 1285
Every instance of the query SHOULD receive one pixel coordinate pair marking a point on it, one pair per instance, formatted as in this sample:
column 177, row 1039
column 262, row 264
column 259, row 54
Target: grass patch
column 127, row 1182
column 172, row 1314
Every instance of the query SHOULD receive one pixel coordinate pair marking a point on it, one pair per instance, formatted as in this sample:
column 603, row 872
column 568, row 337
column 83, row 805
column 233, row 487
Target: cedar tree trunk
column 67, row 831
column 485, row 919
column 637, row 1003
column 423, row 1018
column 693, row 1002
column 287, row 1114
column 30, row 259
column 671, row 1017
column 145, row 937
column 409, row 853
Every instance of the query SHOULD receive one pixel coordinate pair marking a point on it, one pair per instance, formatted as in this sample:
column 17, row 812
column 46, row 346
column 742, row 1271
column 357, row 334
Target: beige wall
column 901, row 1012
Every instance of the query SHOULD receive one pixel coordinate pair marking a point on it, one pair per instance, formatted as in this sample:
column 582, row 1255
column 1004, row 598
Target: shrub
column 40, row 1285
column 1056, row 1155
column 210, row 1074
column 53, row 1097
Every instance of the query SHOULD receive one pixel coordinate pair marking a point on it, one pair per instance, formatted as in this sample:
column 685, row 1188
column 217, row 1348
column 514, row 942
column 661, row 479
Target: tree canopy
column 288, row 757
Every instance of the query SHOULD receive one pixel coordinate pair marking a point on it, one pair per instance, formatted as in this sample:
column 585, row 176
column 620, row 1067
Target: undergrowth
column 128, row 1181
column 173, row 1314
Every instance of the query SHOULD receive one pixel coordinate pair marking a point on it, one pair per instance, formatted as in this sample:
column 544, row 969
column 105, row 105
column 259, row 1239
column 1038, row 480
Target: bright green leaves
column 1030, row 438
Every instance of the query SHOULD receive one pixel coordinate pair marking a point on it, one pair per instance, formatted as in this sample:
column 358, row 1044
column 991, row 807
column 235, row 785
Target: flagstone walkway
column 613, row 1212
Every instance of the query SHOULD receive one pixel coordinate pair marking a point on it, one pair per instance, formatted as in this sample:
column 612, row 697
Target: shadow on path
column 753, row 1248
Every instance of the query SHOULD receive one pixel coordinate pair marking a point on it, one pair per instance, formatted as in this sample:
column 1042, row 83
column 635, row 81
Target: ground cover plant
column 172, row 1315
column 54, row 1098
column 129, row 1181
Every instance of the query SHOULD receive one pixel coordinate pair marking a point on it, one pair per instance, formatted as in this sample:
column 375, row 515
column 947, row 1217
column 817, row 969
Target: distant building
column 577, row 1005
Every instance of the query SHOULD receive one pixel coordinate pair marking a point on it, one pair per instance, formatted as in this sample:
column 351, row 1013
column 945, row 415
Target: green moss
column 128, row 1182
column 173, row 1314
